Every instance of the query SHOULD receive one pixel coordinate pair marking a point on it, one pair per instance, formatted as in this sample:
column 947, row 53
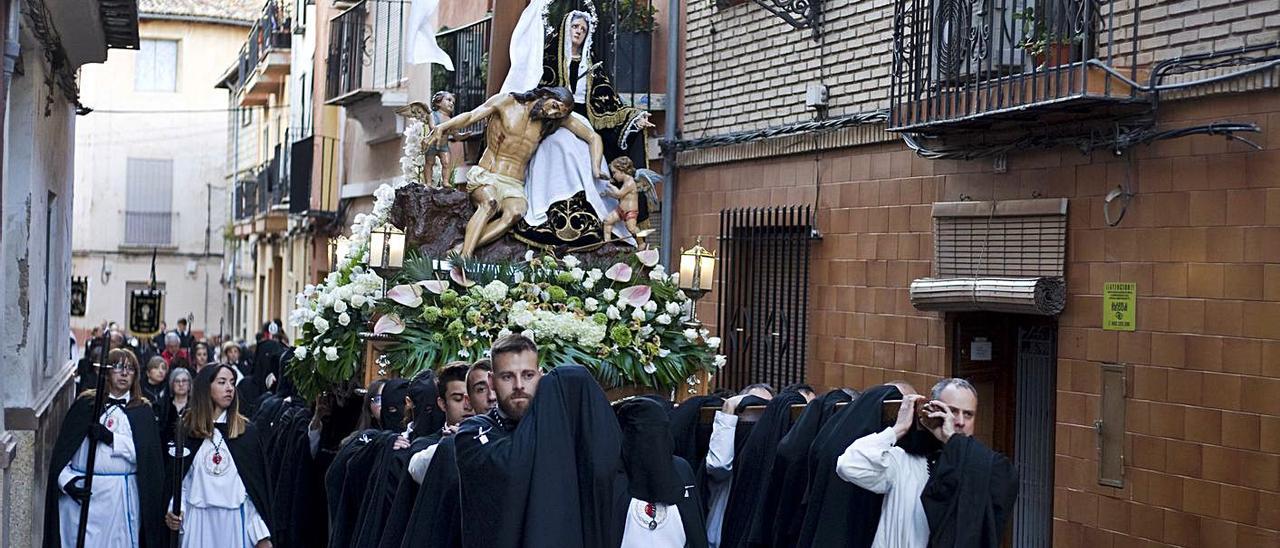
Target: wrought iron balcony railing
column 469, row 48
column 271, row 31
column 364, row 54
column 964, row 64
column 246, row 199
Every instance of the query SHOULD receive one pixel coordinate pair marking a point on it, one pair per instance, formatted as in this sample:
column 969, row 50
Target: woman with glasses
column 126, row 497
column 224, row 482
column 173, row 404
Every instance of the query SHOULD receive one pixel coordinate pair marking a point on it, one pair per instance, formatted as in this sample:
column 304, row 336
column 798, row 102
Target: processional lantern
column 386, row 247
column 697, row 270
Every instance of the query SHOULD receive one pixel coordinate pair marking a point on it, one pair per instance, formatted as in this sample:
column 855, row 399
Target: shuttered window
column 149, row 202
column 1015, row 238
column 156, row 65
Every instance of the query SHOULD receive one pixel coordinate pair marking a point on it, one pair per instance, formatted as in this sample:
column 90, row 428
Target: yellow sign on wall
column 1119, row 306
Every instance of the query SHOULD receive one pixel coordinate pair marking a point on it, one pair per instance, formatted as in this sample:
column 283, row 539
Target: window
column 246, row 116
column 156, row 66
column 149, row 202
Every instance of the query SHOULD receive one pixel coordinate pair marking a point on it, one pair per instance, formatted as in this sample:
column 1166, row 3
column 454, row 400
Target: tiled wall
column 1201, row 240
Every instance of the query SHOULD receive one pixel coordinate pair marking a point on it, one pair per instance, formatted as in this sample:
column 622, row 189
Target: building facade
column 148, row 180
column 1073, row 204
column 47, row 42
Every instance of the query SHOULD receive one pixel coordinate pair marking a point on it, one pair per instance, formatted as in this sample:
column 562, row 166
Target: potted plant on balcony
column 635, row 43
column 1048, row 46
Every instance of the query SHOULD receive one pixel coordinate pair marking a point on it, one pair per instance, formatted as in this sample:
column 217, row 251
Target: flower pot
column 634, row 52
column 1054, row 55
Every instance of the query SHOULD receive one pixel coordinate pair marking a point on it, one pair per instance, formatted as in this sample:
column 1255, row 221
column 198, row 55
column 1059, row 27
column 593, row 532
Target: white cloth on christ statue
column 114, row 505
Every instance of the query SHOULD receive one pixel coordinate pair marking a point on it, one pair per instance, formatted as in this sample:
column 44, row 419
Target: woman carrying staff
column 224, row 480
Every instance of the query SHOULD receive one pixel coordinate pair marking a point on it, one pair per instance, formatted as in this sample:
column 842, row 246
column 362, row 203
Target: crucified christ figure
column 517, row 122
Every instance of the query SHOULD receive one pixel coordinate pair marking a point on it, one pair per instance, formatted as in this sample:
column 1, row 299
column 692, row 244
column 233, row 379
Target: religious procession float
column 543, row 236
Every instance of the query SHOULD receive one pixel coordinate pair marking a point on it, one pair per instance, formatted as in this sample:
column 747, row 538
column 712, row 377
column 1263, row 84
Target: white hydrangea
column 494, row 291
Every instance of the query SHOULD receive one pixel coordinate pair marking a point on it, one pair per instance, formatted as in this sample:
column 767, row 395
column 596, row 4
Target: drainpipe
column 669, row 134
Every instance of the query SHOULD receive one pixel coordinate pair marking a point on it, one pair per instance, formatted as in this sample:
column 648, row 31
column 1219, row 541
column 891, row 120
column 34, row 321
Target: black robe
column 549, row 482
column 346, row 483
column 166, row 419
column 405, row 490
column 751, row 468
column 251, row 466
column 693, row 438
column 969, row 496
column 782, row 501
column 436, row 519
column 692, row 512
column 838, row 513
column 150, row 478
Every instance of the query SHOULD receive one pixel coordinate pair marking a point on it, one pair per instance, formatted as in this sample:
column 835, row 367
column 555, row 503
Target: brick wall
column 1201, row 240
column 747, row 69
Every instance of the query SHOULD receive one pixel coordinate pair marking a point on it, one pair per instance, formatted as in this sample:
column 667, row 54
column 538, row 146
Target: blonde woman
column 224, row 498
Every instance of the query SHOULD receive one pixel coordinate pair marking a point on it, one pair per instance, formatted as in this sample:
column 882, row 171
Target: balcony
column 260, row 202
column 966, row 65
column 364, row 58
column 469, row 48
column 263, row 64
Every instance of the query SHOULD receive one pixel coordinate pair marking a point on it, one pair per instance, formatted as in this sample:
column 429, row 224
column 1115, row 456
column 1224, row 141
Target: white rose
column 704, row 333
column 591, row 304
column 300, row 352
column 344, row 319
column 713, row 342
column 650, row 368
column 528, row 256
column 657, row 275
column 609, row 295
column 577, row 274
column 720, row 360
column 595, row 274
column 662, row 352
column 358, row 301
column 612, row 313
column 645, row 331
column 321, row 324
column 675, row 277
column 340, row 306
column 463, row 353
column 638, row 314
column 673, row 309
column 589, row 284
column 651, row 306
column 331, row 353
column 663, row 319
column 571, row 262
column 691, row 334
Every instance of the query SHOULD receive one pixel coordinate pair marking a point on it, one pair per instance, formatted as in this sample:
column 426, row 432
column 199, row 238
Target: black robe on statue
column 782, row 502
column 150, row 479
column 838, row 513
column 751, row 468
column 548, row 482
column 969, row 496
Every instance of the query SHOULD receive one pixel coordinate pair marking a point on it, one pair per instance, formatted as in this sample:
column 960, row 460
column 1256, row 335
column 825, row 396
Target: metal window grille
column 764, row 301
column 346, row 52
column 1000, row 239
column 149, row 202
column 469, row 48
column 1033, row 450
column 365, row 48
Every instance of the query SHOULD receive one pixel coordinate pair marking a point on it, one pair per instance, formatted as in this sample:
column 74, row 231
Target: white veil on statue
column 561, row 166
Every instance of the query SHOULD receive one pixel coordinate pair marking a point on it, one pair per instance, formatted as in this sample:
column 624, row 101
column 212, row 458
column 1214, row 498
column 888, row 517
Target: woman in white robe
column 224, row 490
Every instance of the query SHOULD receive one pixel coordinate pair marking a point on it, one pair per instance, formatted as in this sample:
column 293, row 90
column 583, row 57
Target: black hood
column 647, row 450
column 393, row 393
column 427, row 416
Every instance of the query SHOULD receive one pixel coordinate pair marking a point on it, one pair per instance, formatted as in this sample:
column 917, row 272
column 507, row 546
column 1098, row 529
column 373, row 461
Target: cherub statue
column 622, row 174
column 441, row 111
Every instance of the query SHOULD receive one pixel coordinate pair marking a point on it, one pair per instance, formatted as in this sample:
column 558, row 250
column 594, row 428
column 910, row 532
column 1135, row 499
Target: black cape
column 550, row 482
column 150, row 478
column 436, row 518
column 838, row 513
column 406, row 493
column 347, row 480
column 969, row 496
column 782, row 502
column 751, row 468
column 693, row 438
column 692, row 511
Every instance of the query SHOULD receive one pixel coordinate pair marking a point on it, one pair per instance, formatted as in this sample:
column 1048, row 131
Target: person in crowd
column 173, row 348
column 451, row 386
column 200, row 356
column 480, row 386
column 224, row 481
column 540, row 469
column 157, row 342
column 169, row 408
column 753, row 462
column 720, row 454
column 126, row 497
column 156, row 384
column 658, row 507
column 231, row 356
column 187, row 340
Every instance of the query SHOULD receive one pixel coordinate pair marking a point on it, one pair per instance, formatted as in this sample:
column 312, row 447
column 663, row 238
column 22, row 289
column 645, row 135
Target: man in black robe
column 538, row 472
column 81, row 430
column 752, row 465
column 654, row 482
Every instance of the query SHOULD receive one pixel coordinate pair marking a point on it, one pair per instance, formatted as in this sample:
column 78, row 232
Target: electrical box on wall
column 815, row 96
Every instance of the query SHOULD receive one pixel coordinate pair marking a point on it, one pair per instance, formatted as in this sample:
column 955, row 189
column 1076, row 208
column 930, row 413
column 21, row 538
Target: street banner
column 146, row 308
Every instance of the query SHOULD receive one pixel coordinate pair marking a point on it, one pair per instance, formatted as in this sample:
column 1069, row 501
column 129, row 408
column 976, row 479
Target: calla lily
column 636, row 295
column 389, row 324
column 407, row 295
column 648, row 257
column 619, row 273
column 460, row 277
column 435, row 286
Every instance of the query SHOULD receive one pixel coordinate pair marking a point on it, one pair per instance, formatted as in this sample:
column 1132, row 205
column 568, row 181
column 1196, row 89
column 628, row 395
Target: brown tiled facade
column 1201, row 240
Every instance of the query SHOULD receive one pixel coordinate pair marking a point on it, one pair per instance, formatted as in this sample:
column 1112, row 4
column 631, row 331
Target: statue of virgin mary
column 566, row 204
